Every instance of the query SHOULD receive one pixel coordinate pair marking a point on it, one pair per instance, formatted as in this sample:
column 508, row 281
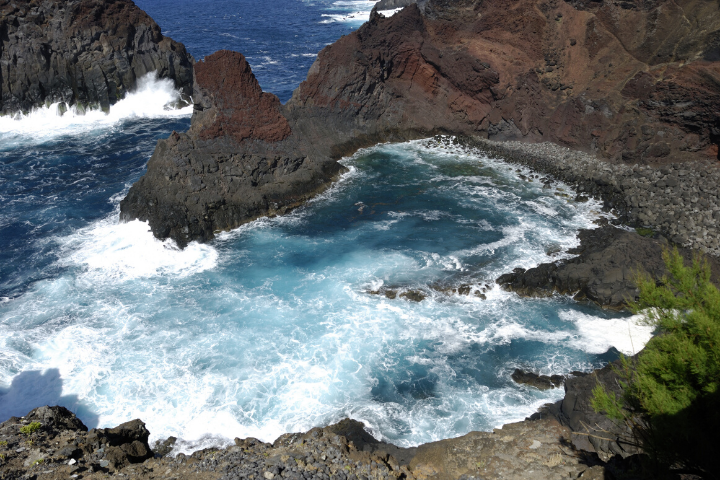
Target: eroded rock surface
column 592, row 431
column 541, row 382
column 241, row 159
column 85, row 52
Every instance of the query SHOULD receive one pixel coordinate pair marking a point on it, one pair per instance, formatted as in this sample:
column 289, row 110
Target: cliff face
column 632, row 82
column 241, row 159
column 89, row 52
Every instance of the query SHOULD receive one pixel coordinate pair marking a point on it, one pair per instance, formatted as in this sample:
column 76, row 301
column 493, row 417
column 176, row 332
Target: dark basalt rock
column 344, row 450
column 604, row 271
column 52, row 419
column 592, row 431
column 127, row 443
column 393, row 4
column 86, row 52
column 241, row 159
column 541, row 382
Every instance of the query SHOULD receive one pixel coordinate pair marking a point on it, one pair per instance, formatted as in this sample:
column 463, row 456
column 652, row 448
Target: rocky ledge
column 604, row 271
column 88, row 53
column 51, row 443
column 627, row 82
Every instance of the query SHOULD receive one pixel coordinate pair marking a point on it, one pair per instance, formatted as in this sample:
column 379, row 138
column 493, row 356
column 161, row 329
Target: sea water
column 282, row 324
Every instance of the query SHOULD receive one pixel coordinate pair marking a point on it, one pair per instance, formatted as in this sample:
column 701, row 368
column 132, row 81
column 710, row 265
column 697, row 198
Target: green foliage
column 671, row 393
column 3, row 443
column 30, row 428
column 645, row 232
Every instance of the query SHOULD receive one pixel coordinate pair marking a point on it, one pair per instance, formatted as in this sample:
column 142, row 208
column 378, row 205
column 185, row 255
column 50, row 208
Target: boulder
column 541, row 382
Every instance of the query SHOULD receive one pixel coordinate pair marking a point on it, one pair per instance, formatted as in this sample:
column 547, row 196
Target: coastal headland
column 619, row 99
column 632, row 85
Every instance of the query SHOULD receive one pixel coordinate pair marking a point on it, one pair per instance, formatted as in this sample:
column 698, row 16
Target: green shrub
column 30, row 428
column 671, row 393
column 645, row 232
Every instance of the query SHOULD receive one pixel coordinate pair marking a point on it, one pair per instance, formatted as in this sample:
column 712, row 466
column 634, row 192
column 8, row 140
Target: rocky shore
column 87, row 53
column 51, row 443
column 679, row 200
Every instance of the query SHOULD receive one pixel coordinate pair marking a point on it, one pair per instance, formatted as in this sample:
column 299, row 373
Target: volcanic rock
column 393, row 4
column 593, row 431
column 596, row 76
column 241, row 159
column 541, row 382
column 605, row 270
column 84, row 52
column 342, row 451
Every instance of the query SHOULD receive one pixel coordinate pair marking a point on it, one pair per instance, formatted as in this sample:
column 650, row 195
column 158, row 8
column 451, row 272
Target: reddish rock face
column 237, row 106
column 631, row 82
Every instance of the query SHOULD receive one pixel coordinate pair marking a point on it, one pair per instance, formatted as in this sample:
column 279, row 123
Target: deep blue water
column 279, row 38
column 274, row 327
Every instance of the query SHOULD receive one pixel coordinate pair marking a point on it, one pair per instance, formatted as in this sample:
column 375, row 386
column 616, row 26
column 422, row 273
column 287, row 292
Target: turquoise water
column 282, row 324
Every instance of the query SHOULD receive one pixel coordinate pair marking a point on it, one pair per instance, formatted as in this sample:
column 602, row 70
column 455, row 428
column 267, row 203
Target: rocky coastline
column 636, row 110
column 678, row 200
column 51, row 443
column 82, row 53
column 578, row 74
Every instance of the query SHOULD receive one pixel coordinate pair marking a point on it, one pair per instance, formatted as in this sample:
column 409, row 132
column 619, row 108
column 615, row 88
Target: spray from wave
column 353, row 12
column 153, row 98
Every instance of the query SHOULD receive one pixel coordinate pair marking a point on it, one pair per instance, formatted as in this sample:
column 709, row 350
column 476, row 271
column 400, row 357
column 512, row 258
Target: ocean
column 285, row 323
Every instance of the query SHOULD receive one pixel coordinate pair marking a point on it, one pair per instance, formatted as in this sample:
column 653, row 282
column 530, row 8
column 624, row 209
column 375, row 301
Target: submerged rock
column 413, row 295
column 82, row 52
column 541, row 382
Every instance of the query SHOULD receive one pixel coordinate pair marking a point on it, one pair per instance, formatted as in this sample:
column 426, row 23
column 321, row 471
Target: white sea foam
column 597, row 335
column 125, row 251
column 357, row 11
column 153, row 98
column 280, row 333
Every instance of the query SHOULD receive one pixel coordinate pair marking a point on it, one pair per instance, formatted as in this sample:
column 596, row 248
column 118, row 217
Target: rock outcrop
column 241, row 159
column 58, row 446
column 84, row 52
column 541, row 382
column 592, row 431
column 630, row 82
column 605, row 270
column 54, row 436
